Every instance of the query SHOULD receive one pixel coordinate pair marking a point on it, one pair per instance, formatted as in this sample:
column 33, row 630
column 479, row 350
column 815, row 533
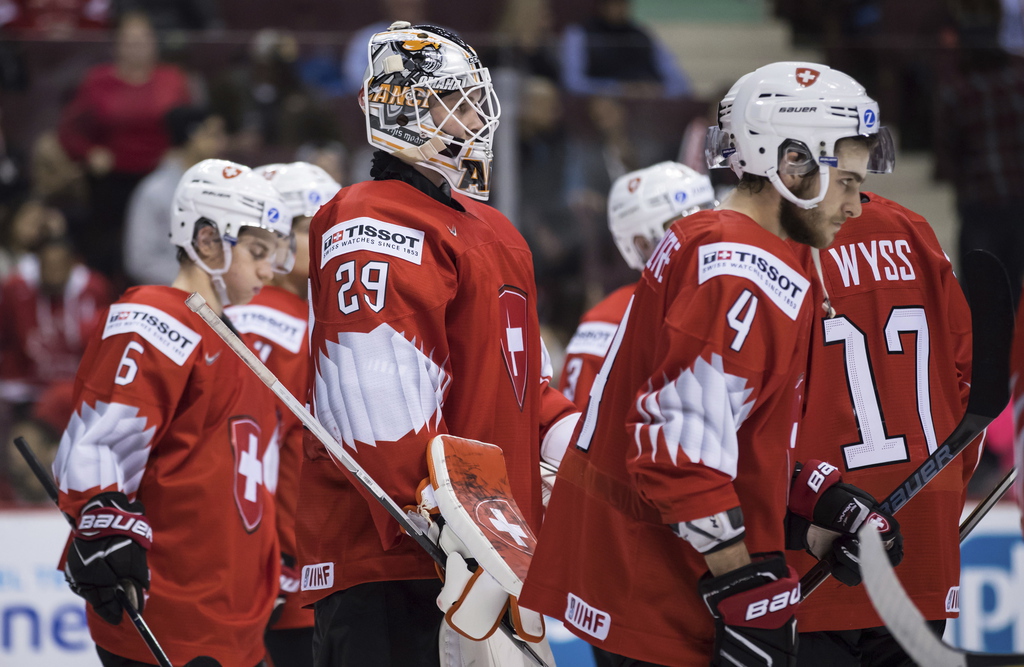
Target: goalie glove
column 108, row 550
column 824, row 517
column 488, row 544
column 754, row 607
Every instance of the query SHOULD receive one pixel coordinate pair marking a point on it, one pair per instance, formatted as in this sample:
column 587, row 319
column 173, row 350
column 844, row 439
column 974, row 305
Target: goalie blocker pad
column 482, row 522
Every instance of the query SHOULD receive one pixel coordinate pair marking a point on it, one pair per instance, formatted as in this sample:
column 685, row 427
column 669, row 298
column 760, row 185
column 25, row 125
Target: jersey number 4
column 877, row 447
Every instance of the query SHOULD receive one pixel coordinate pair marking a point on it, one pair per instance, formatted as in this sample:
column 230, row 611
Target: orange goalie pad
column 471, row 487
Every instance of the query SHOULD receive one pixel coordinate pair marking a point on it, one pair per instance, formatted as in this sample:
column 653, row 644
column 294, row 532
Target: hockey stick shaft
column 987, row 504
column 122, row 597
column 199, row 306
column 905, row 621
column 992, row 321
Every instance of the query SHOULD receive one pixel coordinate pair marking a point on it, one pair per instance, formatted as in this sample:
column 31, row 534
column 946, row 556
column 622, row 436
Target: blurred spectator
column 265, row 103
column 42, row 429
column 355, row 61
column 609, row 54
column 544, row 216
column 979, row 146
column 331, row 156
column 172, row 14
column 30, row 224
column 115, row 127
column 54, row 19
column 525, row 39
column 49, row 307
column 149, row 258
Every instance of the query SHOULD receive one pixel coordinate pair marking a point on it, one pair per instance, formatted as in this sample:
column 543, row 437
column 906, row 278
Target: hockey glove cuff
column 108, row 550
column 754, row 609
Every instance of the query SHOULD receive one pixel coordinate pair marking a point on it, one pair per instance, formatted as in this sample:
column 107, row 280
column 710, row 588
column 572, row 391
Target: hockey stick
column 133, row 613
column 904, row 620
column 416, row 531
column 988, row 503
column 992, row 330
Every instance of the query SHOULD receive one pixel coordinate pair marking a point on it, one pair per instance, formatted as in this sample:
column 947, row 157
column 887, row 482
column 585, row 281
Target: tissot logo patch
column 272, row 324
column 513, row 307
column 371, row 234
column 165, row 333
column 592, row 338
column 784, row 285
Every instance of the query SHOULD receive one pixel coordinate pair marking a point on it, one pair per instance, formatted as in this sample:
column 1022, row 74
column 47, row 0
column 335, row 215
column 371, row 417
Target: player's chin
column 244, row 296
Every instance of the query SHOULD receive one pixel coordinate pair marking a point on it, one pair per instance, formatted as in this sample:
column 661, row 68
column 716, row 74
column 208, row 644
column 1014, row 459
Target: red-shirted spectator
column 54, row 18
column 49, row 307
column 115, row 126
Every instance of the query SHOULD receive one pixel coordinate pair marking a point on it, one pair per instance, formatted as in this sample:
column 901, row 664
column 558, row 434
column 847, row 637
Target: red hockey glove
column 825, row 515
column 755, row 613
column 109, row 550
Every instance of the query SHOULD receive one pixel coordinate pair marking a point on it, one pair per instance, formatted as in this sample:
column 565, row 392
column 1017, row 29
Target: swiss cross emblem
column 805, row 76
column 249, row 472
column 633, row 184
column 231, row 171
column 500, row 519
column 513, row 308
column 725, row 254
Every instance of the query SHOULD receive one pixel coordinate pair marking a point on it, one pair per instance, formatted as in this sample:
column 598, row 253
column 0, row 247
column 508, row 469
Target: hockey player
column 641, row 206
column 662, row 542
column 274, row 325
column 900, row 343
column 167, row 464
column 424, row 323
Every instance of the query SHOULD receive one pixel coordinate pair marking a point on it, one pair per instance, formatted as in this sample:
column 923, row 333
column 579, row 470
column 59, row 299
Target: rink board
column 42, row 624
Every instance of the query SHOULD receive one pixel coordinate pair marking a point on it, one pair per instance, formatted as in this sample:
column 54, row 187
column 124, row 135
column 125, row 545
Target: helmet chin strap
column 216, row 275
column 773, row 176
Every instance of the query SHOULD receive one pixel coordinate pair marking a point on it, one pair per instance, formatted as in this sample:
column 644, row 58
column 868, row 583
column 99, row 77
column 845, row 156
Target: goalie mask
column 305, row 187
column 793, row 114
column 642, row 203
column 229, row 196
column 429, row 101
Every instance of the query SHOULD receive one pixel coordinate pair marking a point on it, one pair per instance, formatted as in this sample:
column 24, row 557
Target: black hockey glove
column 109, row 550
column 825, row 515
column 754, row 608
column 288, row 585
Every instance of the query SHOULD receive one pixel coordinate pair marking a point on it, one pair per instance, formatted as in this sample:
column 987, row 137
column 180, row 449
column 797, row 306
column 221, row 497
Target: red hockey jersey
column 888, row 381
column 693, row 413
column 273, row 324
column 586, row 350
column 42, row 336
column 424, row 323
column 168, row 414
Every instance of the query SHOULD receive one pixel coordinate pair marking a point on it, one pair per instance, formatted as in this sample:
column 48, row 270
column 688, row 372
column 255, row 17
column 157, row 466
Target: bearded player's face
column 818, row 226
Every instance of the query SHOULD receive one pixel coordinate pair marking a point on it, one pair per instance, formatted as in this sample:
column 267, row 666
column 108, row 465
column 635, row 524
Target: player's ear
column 208, row 246
column 362, row 99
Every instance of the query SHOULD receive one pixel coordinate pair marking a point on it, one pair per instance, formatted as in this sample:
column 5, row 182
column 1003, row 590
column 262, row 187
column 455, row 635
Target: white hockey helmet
column 305, row 187
column 229, row 196
column 409, row 65
column 798, row 107
column 641, row 202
